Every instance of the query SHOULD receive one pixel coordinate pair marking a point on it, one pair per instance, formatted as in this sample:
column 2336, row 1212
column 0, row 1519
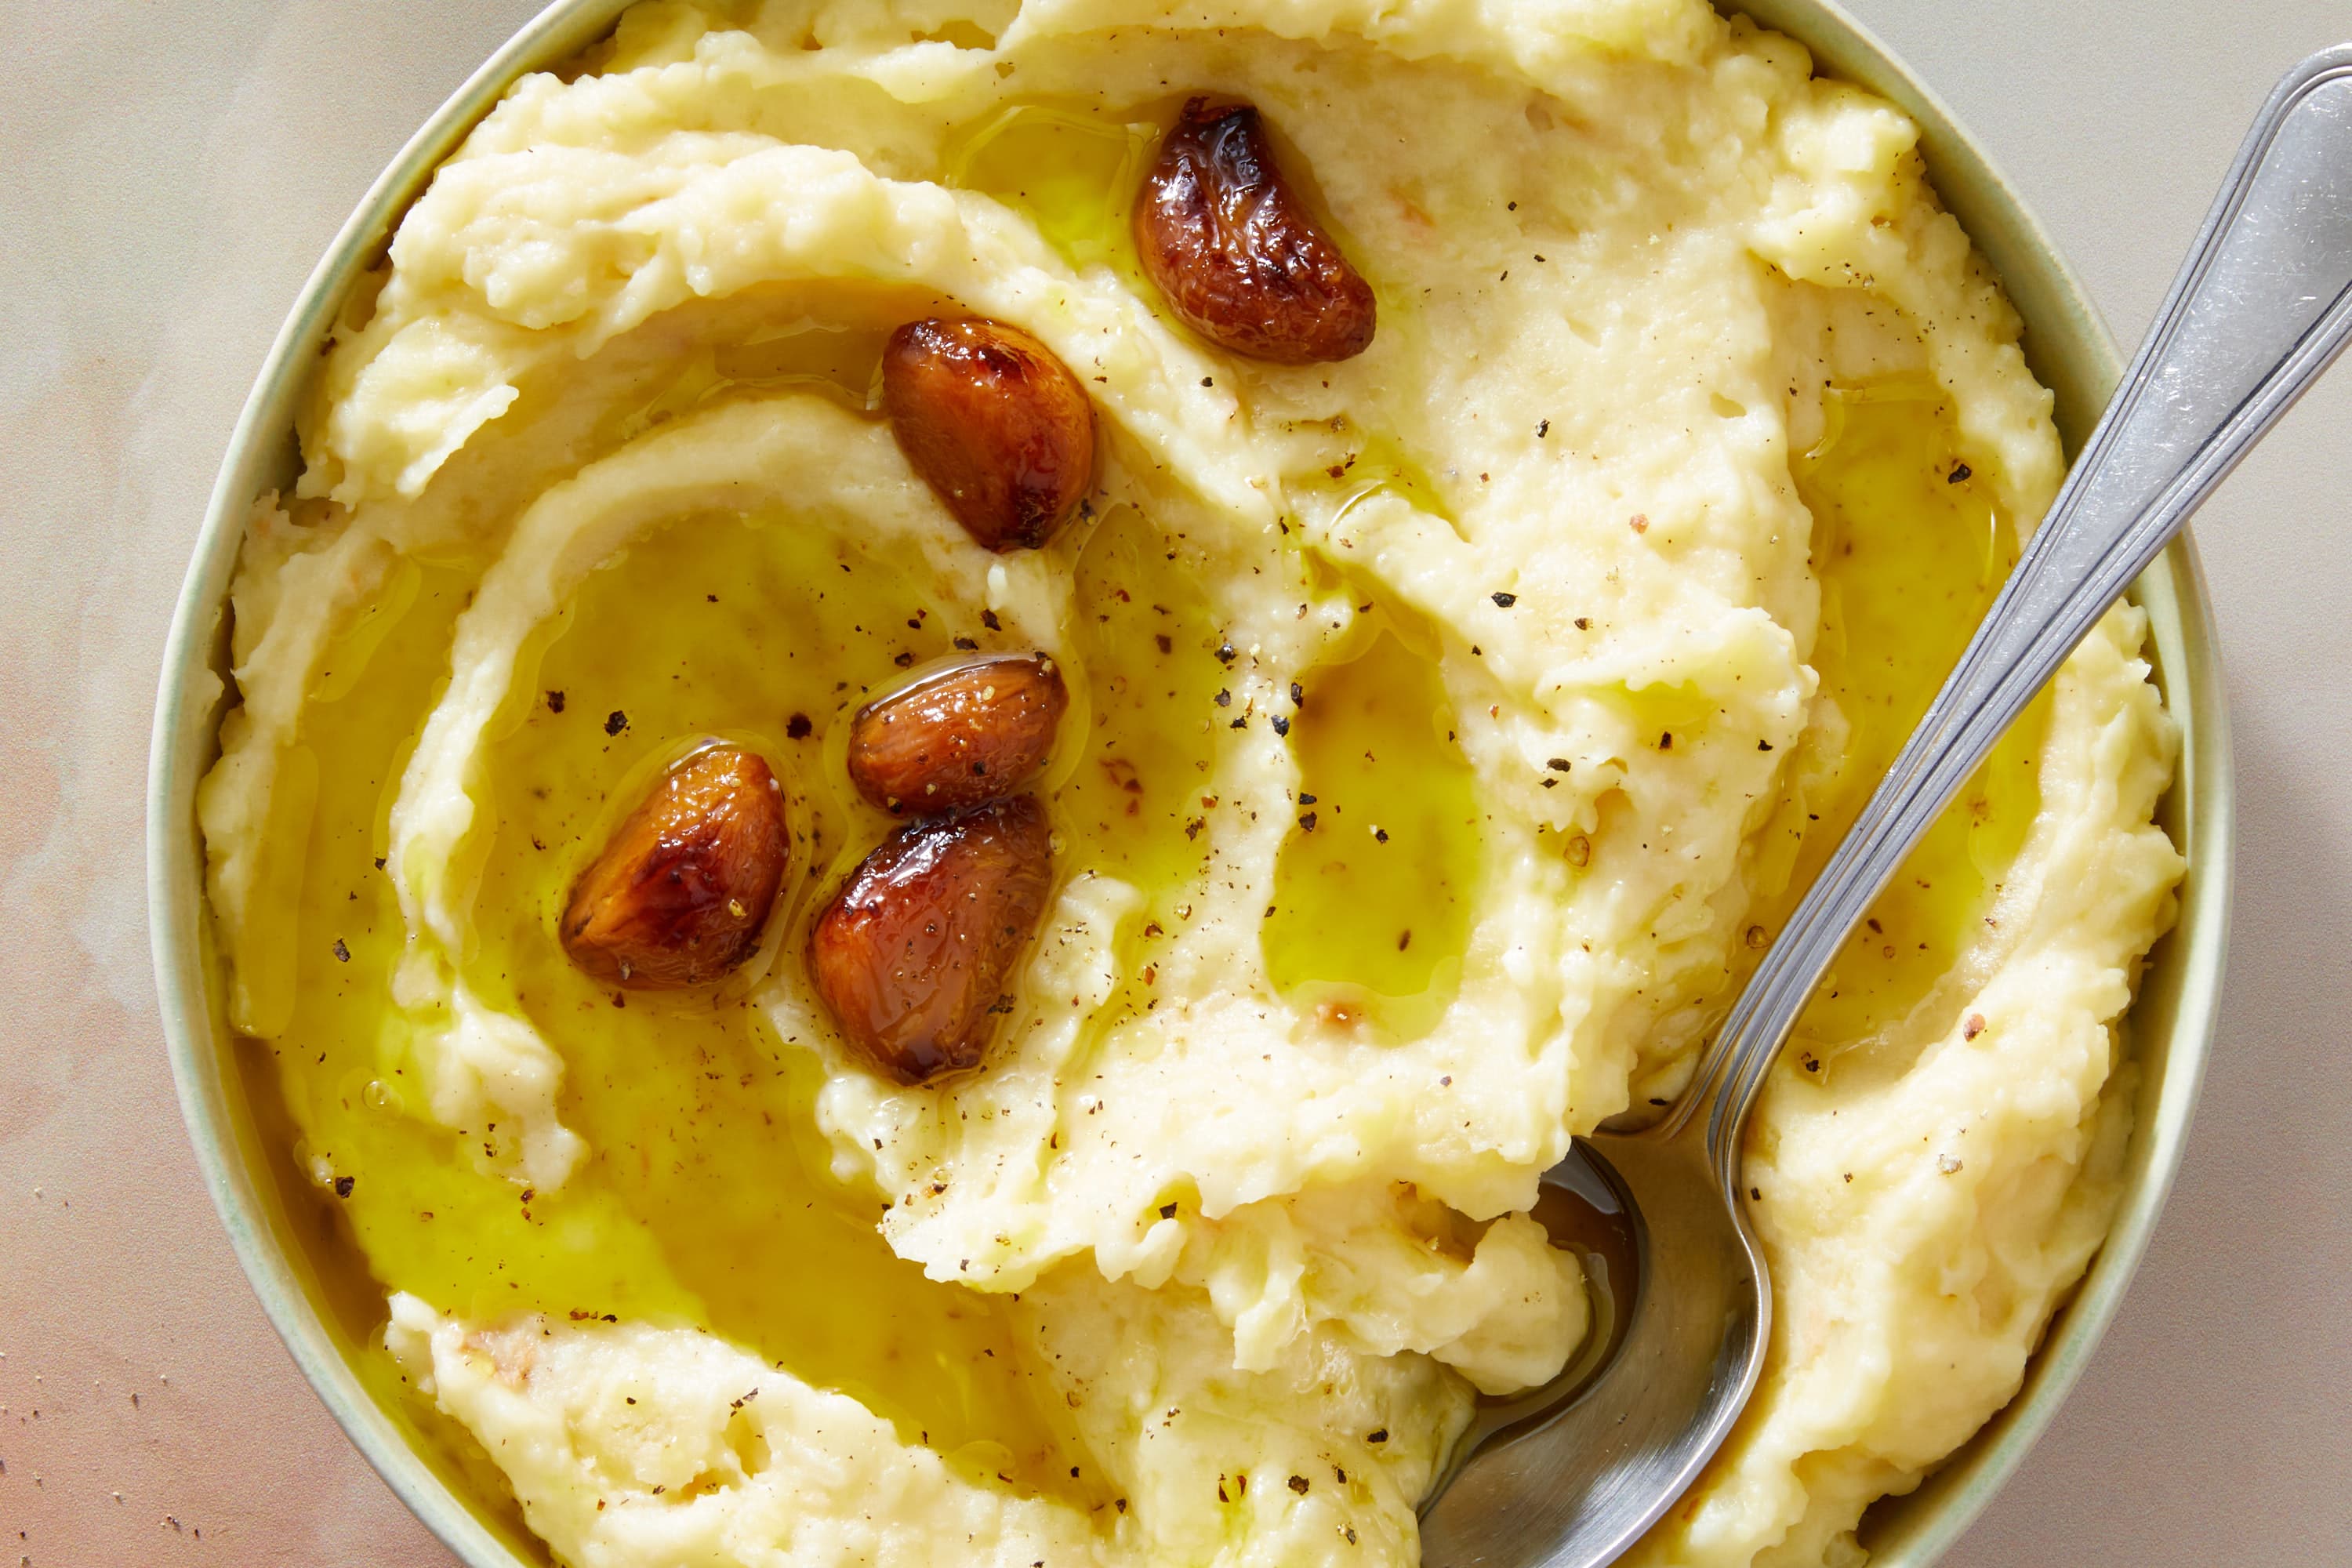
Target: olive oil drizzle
column 1910, row 549
column 1374, row 892
column 708, row 1199
column 1071, row 171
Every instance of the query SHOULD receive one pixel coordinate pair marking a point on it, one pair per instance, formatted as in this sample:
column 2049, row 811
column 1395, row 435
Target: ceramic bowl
column 280, row 1231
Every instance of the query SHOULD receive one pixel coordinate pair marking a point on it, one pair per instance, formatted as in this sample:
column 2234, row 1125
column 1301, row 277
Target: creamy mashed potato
column 1451, row 727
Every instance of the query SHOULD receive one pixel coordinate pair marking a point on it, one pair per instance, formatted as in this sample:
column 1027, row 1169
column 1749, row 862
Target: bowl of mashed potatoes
column 921, row 753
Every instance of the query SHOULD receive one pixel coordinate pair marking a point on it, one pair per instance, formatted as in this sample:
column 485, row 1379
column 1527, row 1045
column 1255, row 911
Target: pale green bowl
column 251, row 1177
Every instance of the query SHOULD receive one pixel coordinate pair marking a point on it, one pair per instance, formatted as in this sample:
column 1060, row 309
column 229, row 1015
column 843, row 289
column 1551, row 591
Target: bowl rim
column 192, row 697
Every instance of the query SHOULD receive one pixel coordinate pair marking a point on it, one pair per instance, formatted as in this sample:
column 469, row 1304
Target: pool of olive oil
column 1911, row 550
column 705, row 1199
column 1373, row 893
column 1072, row 170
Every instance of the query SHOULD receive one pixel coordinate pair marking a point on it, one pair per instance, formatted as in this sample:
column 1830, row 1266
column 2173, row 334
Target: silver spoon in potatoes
column 1573, row 1475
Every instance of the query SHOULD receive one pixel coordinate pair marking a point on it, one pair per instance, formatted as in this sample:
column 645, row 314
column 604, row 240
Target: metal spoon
column 1569, row 1478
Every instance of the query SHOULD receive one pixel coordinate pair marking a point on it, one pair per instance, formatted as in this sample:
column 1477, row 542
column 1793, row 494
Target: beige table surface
column 170, row 170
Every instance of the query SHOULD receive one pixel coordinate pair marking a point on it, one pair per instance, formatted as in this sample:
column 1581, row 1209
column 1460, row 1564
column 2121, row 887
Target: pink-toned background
column 169, row 172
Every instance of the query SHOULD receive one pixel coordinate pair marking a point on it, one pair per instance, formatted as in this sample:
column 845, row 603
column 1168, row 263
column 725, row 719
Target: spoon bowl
column 1573, row 1472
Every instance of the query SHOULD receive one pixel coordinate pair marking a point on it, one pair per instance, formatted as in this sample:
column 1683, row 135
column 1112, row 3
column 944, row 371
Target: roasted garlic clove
column 681, row 894
column 971, row 732
column 994, row 424
column 1236, row 255
column 915, row 953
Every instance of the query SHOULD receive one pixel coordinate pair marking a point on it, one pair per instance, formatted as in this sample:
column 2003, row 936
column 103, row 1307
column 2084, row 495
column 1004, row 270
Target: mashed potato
column 1451, row 727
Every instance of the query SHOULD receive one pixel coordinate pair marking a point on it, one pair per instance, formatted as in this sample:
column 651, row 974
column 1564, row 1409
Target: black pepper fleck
column 615, row 722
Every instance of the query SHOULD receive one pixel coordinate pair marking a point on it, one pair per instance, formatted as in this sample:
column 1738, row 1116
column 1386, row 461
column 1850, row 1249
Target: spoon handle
column 2261, row 308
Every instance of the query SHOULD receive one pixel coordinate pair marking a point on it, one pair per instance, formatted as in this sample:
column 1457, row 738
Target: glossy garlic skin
column 681, row 893
column 915, row 955
column 995, row 422
column 1227, row 243
column 961, row 736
